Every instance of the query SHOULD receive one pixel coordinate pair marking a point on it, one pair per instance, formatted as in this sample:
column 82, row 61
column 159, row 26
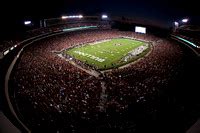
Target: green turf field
column 108, row 54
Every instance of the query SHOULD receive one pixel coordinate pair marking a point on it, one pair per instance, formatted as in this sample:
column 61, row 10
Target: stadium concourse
column 55, row 96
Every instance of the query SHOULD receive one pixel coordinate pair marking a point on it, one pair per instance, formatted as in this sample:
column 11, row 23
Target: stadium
column 81, row 73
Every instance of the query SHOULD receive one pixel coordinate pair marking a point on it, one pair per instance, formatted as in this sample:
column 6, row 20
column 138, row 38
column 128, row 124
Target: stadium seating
column 51, row 92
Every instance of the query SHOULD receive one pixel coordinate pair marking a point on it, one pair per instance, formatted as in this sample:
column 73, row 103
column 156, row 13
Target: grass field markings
column 113, row 53
column 90, row 72
column 131, row 63
column 90, row 56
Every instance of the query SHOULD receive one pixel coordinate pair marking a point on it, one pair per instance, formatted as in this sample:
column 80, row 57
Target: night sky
column 161, row 12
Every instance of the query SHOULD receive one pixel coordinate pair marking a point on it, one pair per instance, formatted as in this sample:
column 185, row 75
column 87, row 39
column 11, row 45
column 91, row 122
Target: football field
column 109, row 53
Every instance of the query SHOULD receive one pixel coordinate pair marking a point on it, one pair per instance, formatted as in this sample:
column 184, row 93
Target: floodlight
column 185, row 20
column 6, row 52
column 11, row 48
column 176, row 23
column 73, row 16
column 104, row 16
column 80, row 16
column 64, row 17
column 27, row 22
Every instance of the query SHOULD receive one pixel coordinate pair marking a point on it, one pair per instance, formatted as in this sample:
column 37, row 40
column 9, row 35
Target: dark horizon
column 161, row 13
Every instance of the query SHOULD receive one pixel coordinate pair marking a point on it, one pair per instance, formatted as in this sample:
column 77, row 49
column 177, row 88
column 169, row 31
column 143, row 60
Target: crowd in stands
column 146, row 77
column 4, row 45
column 60, row 27
column 7, row 44
column 49, row 91
column 191, row 39
column 190, row 33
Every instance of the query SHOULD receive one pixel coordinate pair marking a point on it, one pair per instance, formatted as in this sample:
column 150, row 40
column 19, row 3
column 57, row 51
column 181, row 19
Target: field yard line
column 129, row 64
column 90, row 72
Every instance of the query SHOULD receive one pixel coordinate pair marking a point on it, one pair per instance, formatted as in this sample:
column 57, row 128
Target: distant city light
column 185, row 20
column 104, row 16
column 27, row 22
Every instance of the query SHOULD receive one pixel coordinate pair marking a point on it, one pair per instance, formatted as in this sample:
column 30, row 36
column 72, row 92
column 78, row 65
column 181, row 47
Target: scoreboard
column 139, row 29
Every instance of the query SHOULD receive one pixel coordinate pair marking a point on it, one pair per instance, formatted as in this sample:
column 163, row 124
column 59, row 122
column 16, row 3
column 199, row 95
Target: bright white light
column 104, row 16
column 80, row 16
column 73, row 16
column 185, row 20
column 140, row 29
column 176, row 23
column 64, row 17
column 6, row 52
column 11, row 48
column 27, row 22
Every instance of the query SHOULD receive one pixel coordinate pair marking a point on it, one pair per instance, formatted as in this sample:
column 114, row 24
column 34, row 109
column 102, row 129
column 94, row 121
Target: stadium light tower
column 185, row 20
column 73, row 16
column 176, row 24
column 27, row 22
column 104, row 16
column 80, row 16
column 64, row 17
